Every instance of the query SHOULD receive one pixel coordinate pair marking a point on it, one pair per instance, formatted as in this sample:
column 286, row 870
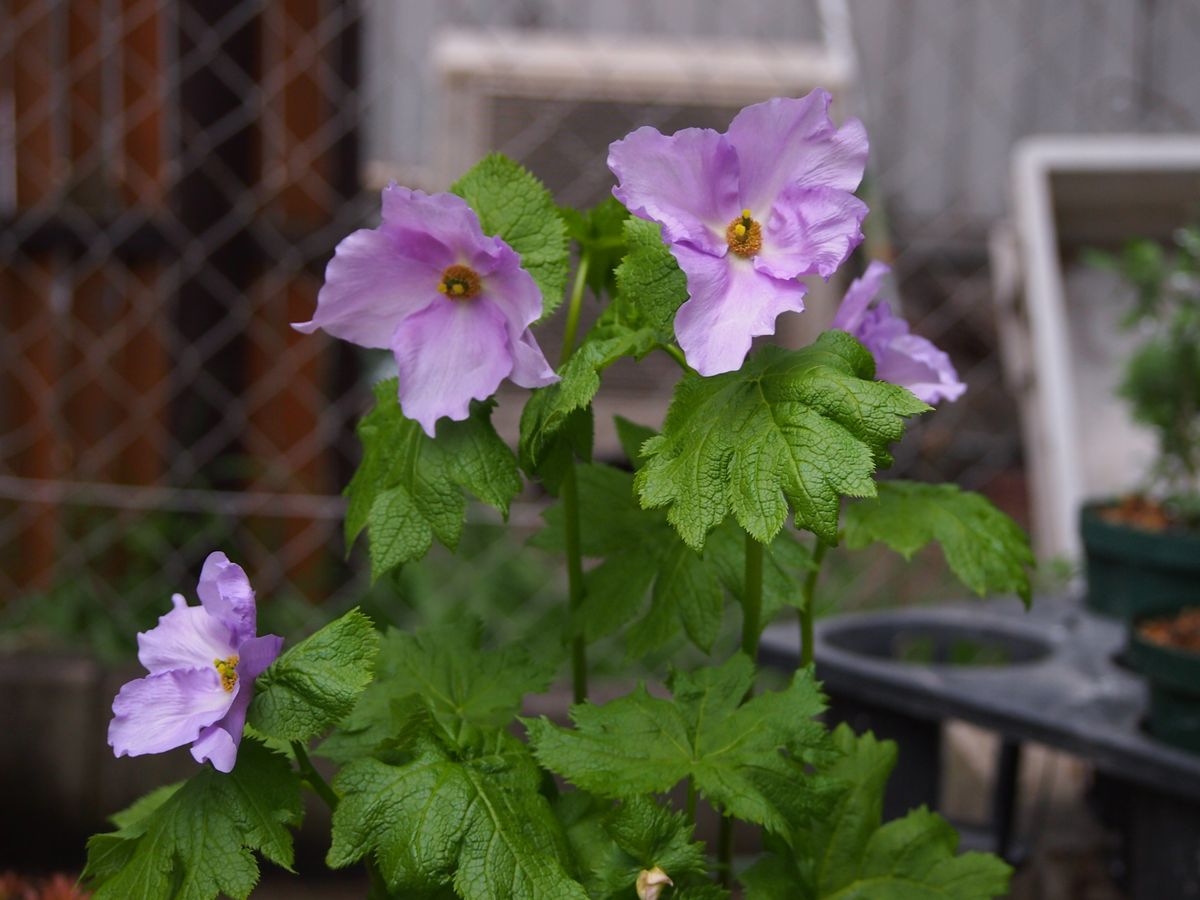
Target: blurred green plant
column 1161, row 381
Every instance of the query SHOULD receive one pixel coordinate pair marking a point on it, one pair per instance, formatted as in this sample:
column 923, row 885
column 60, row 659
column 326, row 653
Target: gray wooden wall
column 945, row 87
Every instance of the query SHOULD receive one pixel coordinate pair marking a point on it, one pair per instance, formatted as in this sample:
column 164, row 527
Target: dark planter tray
column 1174, row 679
column 1131, row 572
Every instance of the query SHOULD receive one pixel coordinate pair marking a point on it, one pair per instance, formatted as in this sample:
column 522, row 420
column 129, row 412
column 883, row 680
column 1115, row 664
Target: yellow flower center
column 744, row 235
column 459, row 282
column 227, row 669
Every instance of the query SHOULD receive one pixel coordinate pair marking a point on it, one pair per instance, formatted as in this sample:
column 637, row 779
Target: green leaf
column 649, row 279
column 804, row 427
column 986, row 549
column 632, row 436
column 846, row 853
column 552, row 438
column 641, row 553
column 195, row 841
column 408, row 489
column 612, row 842
column 477, row 823
column 749, row 760
column 468, row 690
column 600, row 233
column 315, row 684
column 514, row 205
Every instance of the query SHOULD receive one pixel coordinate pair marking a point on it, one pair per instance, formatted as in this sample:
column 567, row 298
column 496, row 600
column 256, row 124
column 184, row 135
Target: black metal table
column 1063, row 685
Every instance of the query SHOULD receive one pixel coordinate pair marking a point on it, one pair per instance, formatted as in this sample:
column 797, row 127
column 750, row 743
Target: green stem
column 807, row 607
column 691, row 802
column 313, row 778
column 725, row 852
column 319, row 786
column 752, row 598
column 574, row 307
column 570, row 499
column 676, row 354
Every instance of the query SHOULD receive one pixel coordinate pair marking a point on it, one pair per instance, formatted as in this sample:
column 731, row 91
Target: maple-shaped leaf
column 476, row 822
column 196, row 840
column 799, row 427
column 408, row 489
column 748, row 759
column 845, row 853
column 467, row 689
column 986, row 549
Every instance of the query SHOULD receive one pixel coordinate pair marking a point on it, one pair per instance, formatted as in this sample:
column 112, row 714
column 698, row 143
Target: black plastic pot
column 1174, row 678
column 1132, row 572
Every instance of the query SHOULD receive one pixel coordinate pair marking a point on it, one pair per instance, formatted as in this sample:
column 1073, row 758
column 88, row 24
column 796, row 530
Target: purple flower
column 452, row 304
column 901, row 358
column 745, row 214
column 202, row 662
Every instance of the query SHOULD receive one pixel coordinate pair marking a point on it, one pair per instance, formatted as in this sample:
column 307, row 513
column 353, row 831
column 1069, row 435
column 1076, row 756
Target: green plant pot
column 1131, row 572
column 1174, row 678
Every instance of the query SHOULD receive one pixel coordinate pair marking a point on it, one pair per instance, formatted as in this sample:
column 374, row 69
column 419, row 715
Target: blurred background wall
column 174, row 175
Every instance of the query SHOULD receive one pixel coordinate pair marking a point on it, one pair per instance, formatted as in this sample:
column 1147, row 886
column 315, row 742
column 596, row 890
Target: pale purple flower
column 746, row 213
column 202, row 662
column 452, row 304
column 900, row 357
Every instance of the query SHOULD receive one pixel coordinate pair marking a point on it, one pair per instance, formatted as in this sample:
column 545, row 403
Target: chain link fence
column 174, row 174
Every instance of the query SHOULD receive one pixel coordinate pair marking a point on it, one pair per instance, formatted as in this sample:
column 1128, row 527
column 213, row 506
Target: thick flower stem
column 570, row 500
column 752, row 598
column 807, row 604
column 312, row 777
column 574, row 307
column 725, row 852
column 319, row 786
column 752, row 595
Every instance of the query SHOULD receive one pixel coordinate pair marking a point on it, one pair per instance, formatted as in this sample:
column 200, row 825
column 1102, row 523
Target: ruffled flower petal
column 853, row 309
column 167, row 710
column 225, row 592
column 914, row 362
column 448, row 220
column 216, row 745
column 449, row 354
column 687, row 181
column 908, row 360
column 219, row 742
column 731, row 303
column 376, row 278
column 810, row 231
column 514, row 293
column 788, row 141
column 187, row 637
column 530, row 368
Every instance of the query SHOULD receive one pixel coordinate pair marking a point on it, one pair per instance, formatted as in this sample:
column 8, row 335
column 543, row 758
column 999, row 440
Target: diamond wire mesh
column 174, row 175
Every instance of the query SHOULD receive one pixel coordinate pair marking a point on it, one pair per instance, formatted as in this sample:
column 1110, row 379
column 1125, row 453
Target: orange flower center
column 744, row 235
column 227, row 669
column 459, row 282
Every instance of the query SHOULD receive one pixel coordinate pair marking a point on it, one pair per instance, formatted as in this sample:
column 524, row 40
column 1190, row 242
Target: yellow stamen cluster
column 744, row 235
column 459, row 282
column 227, row 669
